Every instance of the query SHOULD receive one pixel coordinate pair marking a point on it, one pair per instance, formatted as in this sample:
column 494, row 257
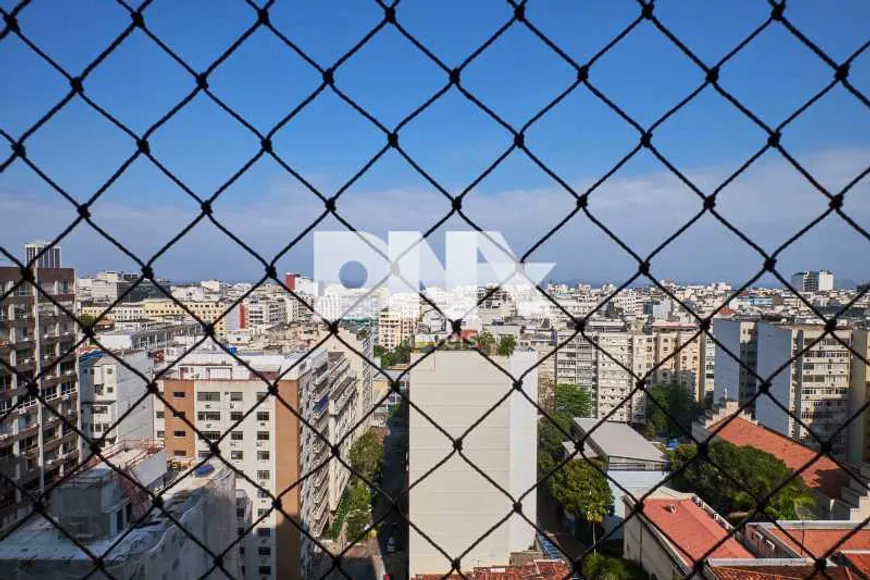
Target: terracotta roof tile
column 777, row 572
column 536, row 570
column 859, row 561
column 691, row 529
column 823, row 474
column 816, row 542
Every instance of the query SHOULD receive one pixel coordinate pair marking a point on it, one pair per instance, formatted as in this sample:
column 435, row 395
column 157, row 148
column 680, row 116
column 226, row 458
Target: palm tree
column 506, row 345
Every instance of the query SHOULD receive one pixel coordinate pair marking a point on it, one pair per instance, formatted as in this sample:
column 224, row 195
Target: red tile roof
column 817, row 542
column 859, row 561
column 779, row 572
column 823, row 474
column 691, row 530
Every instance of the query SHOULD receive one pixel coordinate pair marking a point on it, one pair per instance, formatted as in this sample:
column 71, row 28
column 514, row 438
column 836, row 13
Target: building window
column 211, row 435
column 262, row 455
column 179, row 433
column 178, row 415
column 159, row 414
column 262, row 415
column 161, row 434
column 237, row 436
column 235, row 396
column 264, row 532
column 179, row 394
column 263, row 474
column 204, row 454
column 208, row 397
column 209, row 416
column 179, row 453
column 262, row 435
column 264, row 551
column 263, row 512
column 235, row 415
column 237, row 455
column 265, row 570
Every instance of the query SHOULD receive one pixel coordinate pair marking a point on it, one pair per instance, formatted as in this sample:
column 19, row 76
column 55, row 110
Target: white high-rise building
column 815, row 387
column 269, row 443
column 109, row 390
column 737, row 359
column 814, row 281
column 454, row 505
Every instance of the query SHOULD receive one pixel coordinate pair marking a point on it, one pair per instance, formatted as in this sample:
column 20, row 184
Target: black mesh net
column 333, row 562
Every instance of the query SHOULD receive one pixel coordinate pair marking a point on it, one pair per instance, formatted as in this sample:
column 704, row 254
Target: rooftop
column 818, row 538
column 615, row 439
column 691, row 530
column 535, row 570
column 39, row 540
column 823, row 474
column 798, row 571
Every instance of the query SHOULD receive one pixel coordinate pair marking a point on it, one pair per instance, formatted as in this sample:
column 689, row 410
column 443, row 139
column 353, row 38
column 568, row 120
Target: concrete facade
column 455, row 505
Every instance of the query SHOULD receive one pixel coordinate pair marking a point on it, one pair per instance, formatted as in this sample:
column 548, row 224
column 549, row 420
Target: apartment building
column 262, row 314
column 814, row 281
column 613, row 357
column 859, row 393
column 454, row 505
column 813, row 387
column 216, row 393
column 50, row 258
column 36, row 337
column 169, row 310
column 735, row 373
column 110, row 390
column 101, row 508
column 677, row 354
column 394, row 328
column 123, row 312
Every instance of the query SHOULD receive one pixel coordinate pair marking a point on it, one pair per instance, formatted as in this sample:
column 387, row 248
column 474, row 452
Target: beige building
column 859, row 393
column 394, row 328
column 166, row 309
column 454, row 505
column 677, row 354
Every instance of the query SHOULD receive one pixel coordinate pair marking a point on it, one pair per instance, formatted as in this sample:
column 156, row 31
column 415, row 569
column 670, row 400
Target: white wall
column 455, row 505
column 774, row 349
column 727, row 373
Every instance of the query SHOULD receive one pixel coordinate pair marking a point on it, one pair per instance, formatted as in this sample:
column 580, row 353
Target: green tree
column 379, row 351
column 583, row 491
column 506, row 345
column 357, row 522
column 550, row 437
column 572, row 400
column 367, row 454
column 600, row 566
column 734, row 476
column 674, row 400
column 486, row 342
column 87, row 320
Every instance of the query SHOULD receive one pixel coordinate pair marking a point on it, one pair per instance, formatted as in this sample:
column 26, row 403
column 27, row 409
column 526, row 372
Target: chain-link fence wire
column 515, row 16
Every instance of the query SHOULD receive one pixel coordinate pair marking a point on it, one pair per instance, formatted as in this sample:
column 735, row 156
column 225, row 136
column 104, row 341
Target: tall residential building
column 270, row 444
column 735, row 380
column 817, row 281
column 677, row 351
column 609, row 362
column 454, row 505
column 394, row 328
column 101, row 509
column 859, row 393
column 813, row 387
column 109, row 390
column 50, row 259
column 36, row 337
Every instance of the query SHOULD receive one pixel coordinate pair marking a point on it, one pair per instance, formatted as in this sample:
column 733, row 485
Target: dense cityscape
column 282, row 424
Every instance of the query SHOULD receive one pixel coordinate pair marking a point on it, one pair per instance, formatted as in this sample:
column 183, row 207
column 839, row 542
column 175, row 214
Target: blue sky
column 580, row 139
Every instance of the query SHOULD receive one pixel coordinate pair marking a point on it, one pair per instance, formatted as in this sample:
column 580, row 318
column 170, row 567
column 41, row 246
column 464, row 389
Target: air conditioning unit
column 207, row 406
column 232, row 405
